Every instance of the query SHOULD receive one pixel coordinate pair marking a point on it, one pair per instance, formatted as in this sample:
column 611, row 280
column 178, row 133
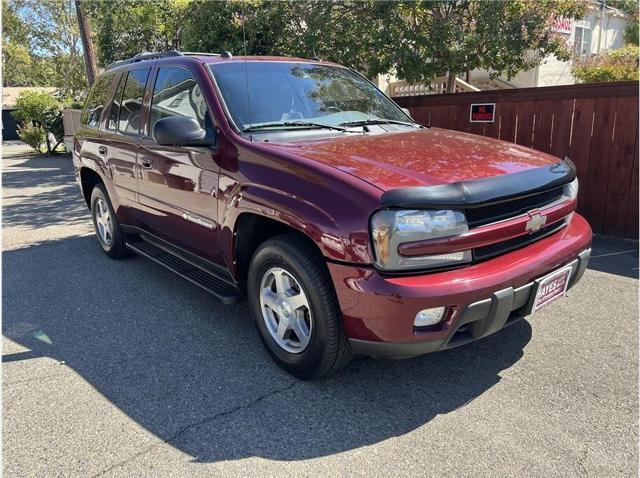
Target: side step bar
column 225, row 292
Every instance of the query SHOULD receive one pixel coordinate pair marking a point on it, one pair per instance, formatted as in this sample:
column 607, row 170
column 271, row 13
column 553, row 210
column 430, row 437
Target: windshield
column 295, row 94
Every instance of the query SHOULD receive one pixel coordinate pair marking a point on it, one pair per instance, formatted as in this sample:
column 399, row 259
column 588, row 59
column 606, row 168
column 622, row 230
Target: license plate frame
column 550, row 288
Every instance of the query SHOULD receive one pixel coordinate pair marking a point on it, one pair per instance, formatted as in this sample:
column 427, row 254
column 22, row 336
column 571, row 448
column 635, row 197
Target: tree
column 436, row 37
column 41, row 45
column 616, row 65
column 348, row 32
column 417, row 39
column 87, row 44
column 17, row 64
column 125, row 28
column 217, row 26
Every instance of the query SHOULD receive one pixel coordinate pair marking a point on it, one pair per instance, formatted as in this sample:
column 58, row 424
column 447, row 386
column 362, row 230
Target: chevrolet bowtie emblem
column 536, row 222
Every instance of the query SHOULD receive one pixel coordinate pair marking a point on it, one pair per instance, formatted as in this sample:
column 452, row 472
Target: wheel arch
column 253, row 229
column 88, row 179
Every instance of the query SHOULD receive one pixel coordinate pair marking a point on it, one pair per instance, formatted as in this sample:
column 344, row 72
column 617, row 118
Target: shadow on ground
column 194, row 372
column 41, row 192
column 614, row 256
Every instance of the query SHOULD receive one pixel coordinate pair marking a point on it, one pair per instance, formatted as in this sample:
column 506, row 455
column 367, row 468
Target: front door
column 178, row 186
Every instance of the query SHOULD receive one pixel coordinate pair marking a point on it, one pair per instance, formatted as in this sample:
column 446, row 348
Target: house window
column 582, row 42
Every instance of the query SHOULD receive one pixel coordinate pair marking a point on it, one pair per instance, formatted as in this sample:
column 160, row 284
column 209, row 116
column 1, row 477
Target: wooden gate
column 596, row 125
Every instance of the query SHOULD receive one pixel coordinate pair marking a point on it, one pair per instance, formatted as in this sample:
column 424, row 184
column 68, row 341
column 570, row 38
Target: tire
column 326, row 350
column 113, row 243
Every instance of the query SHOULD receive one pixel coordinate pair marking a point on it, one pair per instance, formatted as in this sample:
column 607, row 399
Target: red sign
column 562, row 25
column 482, row 113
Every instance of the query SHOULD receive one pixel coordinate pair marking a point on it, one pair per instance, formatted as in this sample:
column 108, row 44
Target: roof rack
column 164, row 54
column 145, row 56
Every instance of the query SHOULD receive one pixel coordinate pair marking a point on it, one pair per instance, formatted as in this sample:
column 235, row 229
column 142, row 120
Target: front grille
column 497, row 212
column 497, row 248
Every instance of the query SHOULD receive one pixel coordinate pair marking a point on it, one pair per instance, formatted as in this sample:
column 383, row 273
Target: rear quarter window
column 96, row 100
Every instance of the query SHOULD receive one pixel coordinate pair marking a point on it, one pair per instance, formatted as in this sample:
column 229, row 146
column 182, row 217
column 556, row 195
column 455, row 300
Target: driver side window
column 176, row 93
column 130, row 114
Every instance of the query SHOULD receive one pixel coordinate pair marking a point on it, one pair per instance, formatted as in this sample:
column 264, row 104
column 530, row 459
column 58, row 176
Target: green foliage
column 36, row 106
column 33, row 136
column 631, row 33
column 617, row 65
column 500, row 37
column 38, row 111
column 42, row 45
column 124, row 28
column 418, row 39
column 216, row 26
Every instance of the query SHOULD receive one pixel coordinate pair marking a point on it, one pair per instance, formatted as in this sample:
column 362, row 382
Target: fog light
column 429, row 317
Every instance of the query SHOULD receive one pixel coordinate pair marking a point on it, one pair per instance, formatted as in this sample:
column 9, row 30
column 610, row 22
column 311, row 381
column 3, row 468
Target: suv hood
column 419, row 158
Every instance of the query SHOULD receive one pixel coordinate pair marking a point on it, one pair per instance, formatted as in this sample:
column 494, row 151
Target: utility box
column 71, row 122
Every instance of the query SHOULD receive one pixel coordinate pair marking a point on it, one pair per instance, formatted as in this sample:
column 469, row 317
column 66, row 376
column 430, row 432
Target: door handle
column 102, row 150
column 146, row 163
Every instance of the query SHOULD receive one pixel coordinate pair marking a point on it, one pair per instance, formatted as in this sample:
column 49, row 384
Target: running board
column 225, row 292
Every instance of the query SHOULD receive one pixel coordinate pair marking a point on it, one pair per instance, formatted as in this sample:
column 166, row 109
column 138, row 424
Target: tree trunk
column 87, row 44
column 451, row 83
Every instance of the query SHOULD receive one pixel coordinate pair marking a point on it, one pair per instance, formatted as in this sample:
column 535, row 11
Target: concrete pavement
column 119, row 368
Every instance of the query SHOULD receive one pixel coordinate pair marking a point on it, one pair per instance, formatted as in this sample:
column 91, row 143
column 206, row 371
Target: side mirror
column 407, row 112
column 181, row 131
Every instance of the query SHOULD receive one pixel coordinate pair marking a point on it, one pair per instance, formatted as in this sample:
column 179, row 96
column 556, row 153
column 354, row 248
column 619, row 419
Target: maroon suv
column 298, row 184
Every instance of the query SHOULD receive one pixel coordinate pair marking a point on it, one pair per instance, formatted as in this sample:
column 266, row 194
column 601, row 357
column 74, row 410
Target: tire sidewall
column 99, row 193
column 297, row 363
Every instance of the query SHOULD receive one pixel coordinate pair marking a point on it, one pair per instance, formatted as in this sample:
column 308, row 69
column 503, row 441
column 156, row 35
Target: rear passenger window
column 96, row 100
column 130, row 116
column 176, row 93
column 114, row 114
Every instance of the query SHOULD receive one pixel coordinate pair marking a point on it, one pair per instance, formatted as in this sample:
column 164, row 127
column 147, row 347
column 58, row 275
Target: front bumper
column 378, row 311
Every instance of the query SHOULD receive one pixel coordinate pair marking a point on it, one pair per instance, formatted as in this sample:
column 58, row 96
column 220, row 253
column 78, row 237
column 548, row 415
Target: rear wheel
column 295, row 309
column 105, row 222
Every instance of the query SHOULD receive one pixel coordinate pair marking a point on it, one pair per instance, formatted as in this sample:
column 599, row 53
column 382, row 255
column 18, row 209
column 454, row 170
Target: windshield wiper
column 292, row 124
column 373, row 121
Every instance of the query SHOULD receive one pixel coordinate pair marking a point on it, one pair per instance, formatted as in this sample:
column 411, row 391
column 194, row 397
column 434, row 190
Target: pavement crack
column 208, row 419
column 249, row 404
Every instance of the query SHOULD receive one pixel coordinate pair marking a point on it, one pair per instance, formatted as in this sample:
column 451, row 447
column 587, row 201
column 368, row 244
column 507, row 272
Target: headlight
column 390, row 228
column 571, row 189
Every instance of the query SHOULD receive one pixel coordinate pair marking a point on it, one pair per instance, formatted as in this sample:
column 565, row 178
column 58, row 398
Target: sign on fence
column 482, row 113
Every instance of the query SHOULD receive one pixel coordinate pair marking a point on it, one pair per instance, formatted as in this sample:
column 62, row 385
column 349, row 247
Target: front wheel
column 295, row 309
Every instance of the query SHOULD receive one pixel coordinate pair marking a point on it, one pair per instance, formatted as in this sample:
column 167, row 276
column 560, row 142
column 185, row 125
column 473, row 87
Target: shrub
column 33, row 136
column 617, row 65
column 40, row 113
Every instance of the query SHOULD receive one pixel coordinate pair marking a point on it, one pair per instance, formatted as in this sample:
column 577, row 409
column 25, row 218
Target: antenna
column 246, row 71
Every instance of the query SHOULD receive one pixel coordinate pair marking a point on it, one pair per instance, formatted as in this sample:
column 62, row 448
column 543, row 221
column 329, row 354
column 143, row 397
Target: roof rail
column 145, row 56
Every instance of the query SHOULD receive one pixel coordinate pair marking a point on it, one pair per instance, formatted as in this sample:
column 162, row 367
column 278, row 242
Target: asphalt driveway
column 120, row 368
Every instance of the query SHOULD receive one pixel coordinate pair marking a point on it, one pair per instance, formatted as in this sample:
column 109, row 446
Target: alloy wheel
column 285, row 310
column 104, row 224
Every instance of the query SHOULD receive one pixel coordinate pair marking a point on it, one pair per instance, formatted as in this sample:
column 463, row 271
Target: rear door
column 89, row 135
column 178, row 186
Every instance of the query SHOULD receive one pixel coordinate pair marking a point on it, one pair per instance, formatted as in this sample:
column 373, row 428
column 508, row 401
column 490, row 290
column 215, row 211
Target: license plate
column 551, row 288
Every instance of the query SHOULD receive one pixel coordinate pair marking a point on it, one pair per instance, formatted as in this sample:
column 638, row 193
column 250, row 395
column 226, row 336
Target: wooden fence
column 596, row 125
